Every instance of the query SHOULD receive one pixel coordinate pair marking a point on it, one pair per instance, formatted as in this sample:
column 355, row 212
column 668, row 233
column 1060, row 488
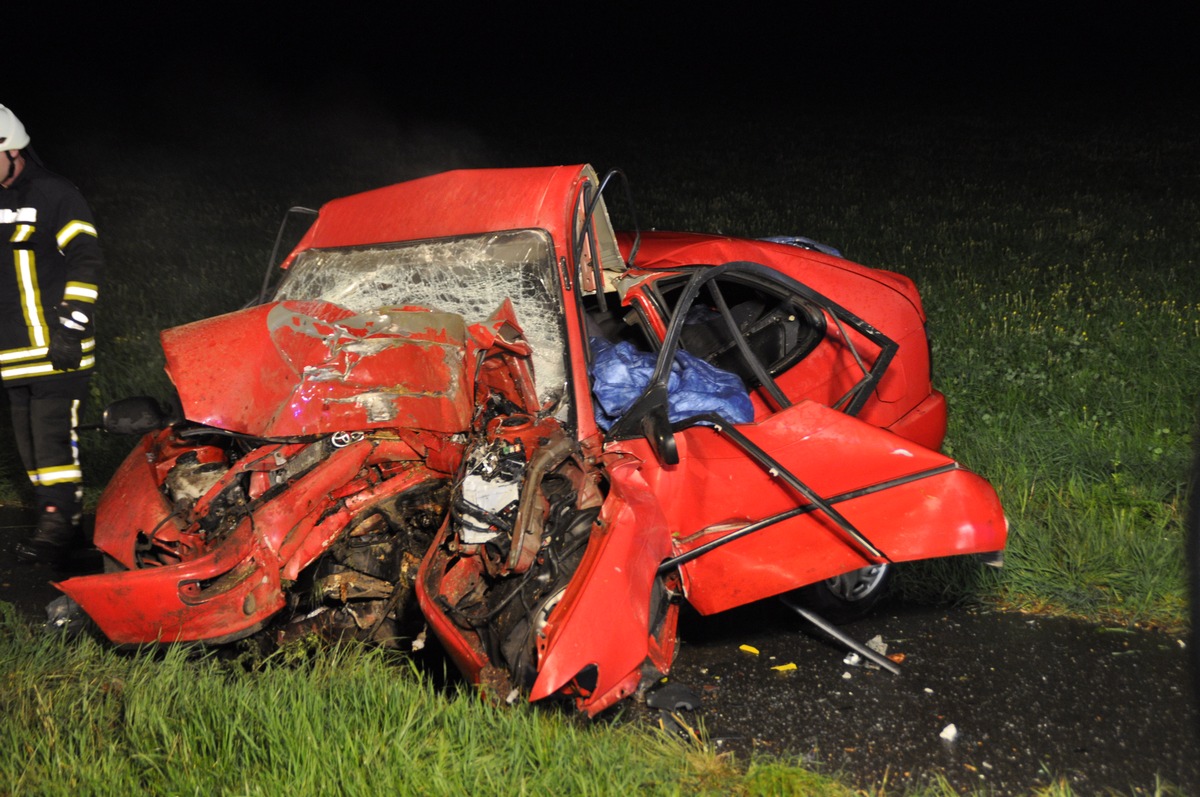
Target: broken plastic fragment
column 853, row 659
column 672, row 696
column 791, row 665
column 748, row 649
column 877, row 644
column 949, row 733
column 64, row 615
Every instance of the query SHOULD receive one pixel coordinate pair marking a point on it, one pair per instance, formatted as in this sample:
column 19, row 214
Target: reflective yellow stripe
column 22, row 233
column 75, row 434
column 44, row 369
column 12, row 355
column 63, row 474
column 81, row 292
column 16, row 355
column 68, row 233
column 31, row 304
column 18, row 216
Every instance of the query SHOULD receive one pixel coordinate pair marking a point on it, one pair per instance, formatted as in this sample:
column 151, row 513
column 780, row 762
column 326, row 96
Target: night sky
column 154, row 71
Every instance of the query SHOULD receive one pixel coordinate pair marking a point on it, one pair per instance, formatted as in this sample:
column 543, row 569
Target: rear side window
column 778, row 327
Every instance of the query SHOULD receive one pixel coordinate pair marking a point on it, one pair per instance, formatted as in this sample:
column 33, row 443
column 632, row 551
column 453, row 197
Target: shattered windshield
column 470, row 276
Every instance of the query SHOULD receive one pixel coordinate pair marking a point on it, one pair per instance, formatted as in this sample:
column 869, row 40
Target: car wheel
column 848, row 597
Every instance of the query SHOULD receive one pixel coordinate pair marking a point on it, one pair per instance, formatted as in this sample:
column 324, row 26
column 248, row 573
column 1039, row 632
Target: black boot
column 52, row 542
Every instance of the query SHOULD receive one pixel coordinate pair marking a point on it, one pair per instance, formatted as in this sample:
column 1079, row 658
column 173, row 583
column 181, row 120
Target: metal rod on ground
column 862, row 650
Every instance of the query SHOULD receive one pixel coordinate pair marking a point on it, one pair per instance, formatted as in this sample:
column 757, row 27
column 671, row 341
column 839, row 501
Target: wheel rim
column 858, row 584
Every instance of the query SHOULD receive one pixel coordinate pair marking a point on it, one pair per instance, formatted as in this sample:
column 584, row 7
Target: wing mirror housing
column 648, row 418
column 134, row 415
column 657, row 430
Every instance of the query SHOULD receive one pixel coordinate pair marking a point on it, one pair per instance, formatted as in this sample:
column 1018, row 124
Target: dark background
column 190, row 128
column 209, row 72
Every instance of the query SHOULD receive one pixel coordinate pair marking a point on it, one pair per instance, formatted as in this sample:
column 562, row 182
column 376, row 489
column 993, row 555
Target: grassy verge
column 83, row 719
column 1074, row 398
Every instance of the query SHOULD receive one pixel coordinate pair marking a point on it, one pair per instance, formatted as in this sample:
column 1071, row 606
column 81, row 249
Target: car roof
column 461, row 202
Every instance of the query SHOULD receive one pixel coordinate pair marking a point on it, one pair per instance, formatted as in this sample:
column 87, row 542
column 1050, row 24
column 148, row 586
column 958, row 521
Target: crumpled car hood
column 310, row 367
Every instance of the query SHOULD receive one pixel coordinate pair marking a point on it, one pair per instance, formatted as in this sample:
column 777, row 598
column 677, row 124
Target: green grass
column 1074, row 400
column 79, row 718
column 1057, row 258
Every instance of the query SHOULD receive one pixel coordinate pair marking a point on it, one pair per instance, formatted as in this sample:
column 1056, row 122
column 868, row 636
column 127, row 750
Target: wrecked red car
column 469, row 403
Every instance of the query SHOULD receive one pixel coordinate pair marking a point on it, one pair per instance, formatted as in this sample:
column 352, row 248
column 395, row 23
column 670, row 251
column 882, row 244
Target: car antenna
column 637, row 230
column 829, row 628
column 271, row 263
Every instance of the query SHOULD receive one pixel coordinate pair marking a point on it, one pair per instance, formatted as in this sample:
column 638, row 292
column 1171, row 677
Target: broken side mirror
column 657, row 429
column 134, row 415
column 648, row 418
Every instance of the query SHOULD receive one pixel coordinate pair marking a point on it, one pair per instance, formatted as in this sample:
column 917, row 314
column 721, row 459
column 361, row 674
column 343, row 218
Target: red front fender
column 229, row 592
column 604, row 619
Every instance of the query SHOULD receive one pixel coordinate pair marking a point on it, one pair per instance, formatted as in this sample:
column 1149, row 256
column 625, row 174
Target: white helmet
column 12, row 132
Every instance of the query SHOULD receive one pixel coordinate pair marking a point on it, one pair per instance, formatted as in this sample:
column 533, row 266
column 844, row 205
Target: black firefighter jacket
column 49, row 254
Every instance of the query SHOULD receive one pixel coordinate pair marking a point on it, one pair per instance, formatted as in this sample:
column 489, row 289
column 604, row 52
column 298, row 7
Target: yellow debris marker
column 791, row 665
column 749, row 649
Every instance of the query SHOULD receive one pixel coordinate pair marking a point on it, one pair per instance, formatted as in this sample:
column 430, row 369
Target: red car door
column 806, row 490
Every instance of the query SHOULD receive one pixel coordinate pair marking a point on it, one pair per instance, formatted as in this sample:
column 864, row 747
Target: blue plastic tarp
column 620, row 373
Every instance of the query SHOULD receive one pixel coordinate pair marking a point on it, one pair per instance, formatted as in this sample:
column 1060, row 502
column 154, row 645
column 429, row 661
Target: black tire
column 848, row 597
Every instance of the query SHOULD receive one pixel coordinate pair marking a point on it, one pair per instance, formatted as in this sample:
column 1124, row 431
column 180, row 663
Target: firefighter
column 50, row 265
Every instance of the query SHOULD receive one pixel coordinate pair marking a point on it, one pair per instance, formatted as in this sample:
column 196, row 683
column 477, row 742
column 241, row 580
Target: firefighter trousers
column 45, row 419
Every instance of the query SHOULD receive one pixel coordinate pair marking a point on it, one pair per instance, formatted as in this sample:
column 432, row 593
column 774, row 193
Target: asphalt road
column 1031, row 699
